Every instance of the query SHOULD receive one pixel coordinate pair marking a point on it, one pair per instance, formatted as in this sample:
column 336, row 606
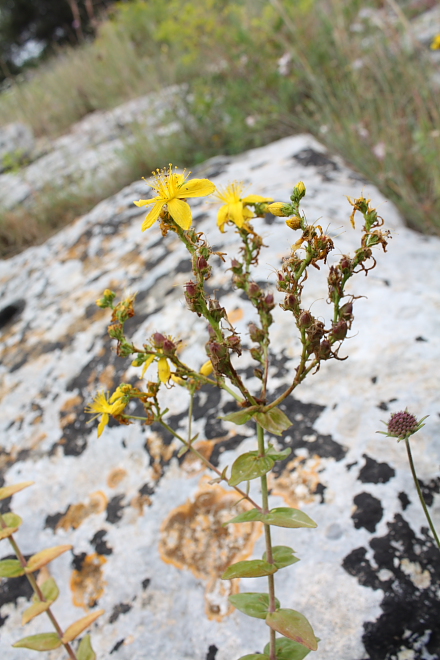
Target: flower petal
column 103, row 423
column 147, row 363
column 196, row 188
column 164, row 370
column 152, row 216
column 256, row 199
column 235, row 213
column 222, row 217
column 180, row 212
column 146, row 202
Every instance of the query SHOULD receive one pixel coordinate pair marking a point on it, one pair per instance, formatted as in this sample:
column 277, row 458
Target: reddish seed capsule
column 158, row 339
column 305, row 320
column 254, row 290
column 191, row 289
column 269, row 300
column 202, row 263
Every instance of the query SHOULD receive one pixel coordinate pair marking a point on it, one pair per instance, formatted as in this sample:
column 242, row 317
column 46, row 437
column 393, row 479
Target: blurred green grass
column 254, row 71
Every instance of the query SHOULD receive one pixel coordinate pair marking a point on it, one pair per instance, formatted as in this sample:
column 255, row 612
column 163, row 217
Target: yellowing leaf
column 77, row 628
column 34, row 610
column 49, row 589
column 11, row 568
column 7, row 491
column 85, row 650
column 293, row 625
column 43, row 642
column 7, row 531
column 45, row 556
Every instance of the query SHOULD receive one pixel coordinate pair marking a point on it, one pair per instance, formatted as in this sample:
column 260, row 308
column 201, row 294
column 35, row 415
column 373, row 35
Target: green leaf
column 284, row 516
column 274, row 421
column 182, row 451
column 252, row 604
column 287, row 649
column 12, row 520
column 43, row 642
column 278, row 455
column 252, row 568
column 85, row 650
column 248, row 516
column 255, row 656
column 282, row 556
column 239, row 417
column 50, row 590
column 293, row 625
column 250, row 466
column 11, row 568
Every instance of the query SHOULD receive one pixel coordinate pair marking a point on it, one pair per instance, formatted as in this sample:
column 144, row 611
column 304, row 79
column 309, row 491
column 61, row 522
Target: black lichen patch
column 121, row 608
column 212, row 652
column 368, row 512
column 100, row 544
column 429, row 489
column 410, row 607
column 11, row 313
column 115, row 509
column 311, row 158
column 421, row 339
column 207, row 406
column 117, row 646
column 146, row 583
column 374, row 472
column 78, row 561
column 52, row 521
column 404, row 500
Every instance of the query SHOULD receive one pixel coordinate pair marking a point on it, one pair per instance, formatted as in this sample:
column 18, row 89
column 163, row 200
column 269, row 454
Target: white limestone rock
column 145, row 526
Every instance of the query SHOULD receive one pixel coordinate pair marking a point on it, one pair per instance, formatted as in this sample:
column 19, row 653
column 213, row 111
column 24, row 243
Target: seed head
column 402, row 424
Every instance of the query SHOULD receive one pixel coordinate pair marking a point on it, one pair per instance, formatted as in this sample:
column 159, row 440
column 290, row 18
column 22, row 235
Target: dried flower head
column 402, row 424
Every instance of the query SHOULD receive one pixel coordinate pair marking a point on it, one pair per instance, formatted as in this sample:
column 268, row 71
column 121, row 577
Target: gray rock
column 145, row 527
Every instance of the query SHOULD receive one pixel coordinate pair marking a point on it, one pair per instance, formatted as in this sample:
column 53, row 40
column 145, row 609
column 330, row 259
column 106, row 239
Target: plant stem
column 206, row 462
column 419, row 490
column 37, row 590
column 269, row 554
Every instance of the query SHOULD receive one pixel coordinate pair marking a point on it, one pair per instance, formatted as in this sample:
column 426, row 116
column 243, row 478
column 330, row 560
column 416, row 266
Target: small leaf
column 252, row 604
column 293, row 625
column 287, row 649
column 252, row 568
column 85, row 650
column 255, row 656
column 250, row 466
column 182, row 451
column 274, row 421
column 43, row 642
column 248, row 516
column 11, row 568
column 44, row 557
column 79, row 626
column 7, row 491
column 282, row 556
column 12, row 520
column 279, row 455
column 7, row 531
column 34, row 610
column 284, row 516
column 50, row 590
column 239, row 417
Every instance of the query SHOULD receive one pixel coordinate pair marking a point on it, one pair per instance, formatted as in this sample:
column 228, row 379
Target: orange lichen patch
column 159, row 451
column 77, row 513
column 65, row 420
column 107, row 378
column 298, row 482
column 217, row 594
column 236, row 315
column 72, row 403
column 193, row 537
column 139, row 502
column 192, row 463
column 88, row 583
column 115, row 477
column 37, row 419
column 37, row 440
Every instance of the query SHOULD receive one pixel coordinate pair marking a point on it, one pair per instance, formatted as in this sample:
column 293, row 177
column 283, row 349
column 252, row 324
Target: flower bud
column 339, row 330
column 168, row 347
column 202, row 264
column 236, row 267
column 269, row 301
column 346, row 311
column 256, row 334
column 402, row 424
column 281, row 209
column 325, row 349
column 294, row 223
column 207, row 368
column 305, row 320
column 116, row 331
column 254, row 290
column 190, row 289
column 290, row 302
column 158, row 339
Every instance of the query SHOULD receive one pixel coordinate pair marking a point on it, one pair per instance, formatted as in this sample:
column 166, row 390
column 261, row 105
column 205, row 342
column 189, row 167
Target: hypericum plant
column 320, row 342
column 45, row 591
column 402, row 425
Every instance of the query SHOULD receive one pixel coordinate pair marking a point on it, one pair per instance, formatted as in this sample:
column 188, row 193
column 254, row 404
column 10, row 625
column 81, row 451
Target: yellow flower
column 173, row 189
column 235, row 206
column 207, row 368
column 436, row 43
column 102, row 406
column 177, row 379
column 163, row 370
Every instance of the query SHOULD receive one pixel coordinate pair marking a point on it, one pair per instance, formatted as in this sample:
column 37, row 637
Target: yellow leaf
column 44, row 557
column 7, row 531
column 34, row 610
column 79, row 626
column 7, row 491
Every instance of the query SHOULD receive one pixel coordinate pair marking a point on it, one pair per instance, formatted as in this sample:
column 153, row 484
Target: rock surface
column 145, row 526
column 16, row 142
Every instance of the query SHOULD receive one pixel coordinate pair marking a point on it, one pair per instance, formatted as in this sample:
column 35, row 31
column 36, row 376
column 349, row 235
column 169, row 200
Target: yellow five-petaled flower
column 173, row 189
column 104, row 407
column 235, row 206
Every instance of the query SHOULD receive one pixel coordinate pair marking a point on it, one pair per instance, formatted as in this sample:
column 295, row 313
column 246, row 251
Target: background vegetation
column 252, row 71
